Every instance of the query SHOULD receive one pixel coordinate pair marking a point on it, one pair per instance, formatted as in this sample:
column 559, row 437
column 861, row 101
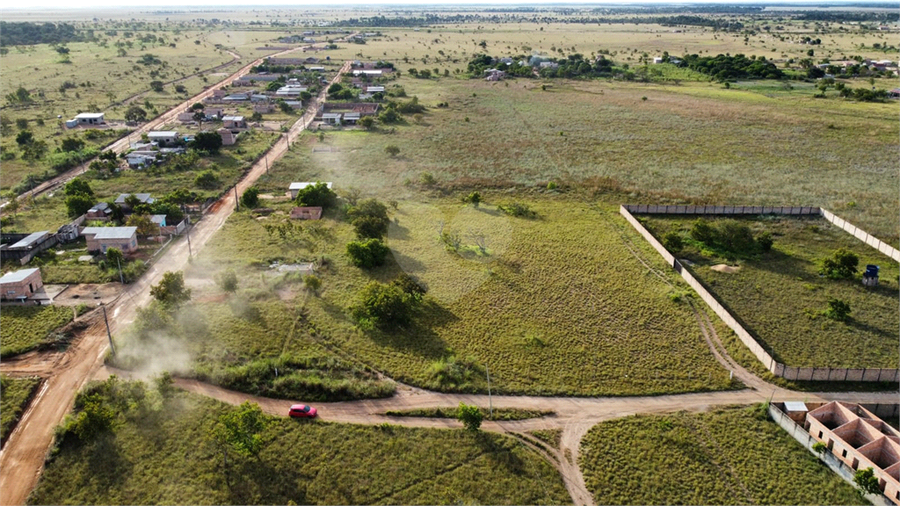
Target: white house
column 163, row 138
column 90, row 118
column 296, row 187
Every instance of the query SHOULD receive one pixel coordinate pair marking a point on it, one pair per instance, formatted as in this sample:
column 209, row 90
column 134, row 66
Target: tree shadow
column 110, row 468
column 407, row 263
column 256, row 481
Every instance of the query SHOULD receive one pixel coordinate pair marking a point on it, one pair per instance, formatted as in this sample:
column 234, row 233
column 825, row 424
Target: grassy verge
column 780, row 295
column 160, row 452
column 727, row 456
column 15, row 394
column 500, row 414
column 27, row 327
column 550, row 436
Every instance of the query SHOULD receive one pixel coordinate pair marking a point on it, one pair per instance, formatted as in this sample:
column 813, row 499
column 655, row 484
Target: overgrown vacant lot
column 25, row 327
column 160, row 453
column 694, row 142
column 557, row 305
column 781, row 297
column 14, row 396
column 728, row 456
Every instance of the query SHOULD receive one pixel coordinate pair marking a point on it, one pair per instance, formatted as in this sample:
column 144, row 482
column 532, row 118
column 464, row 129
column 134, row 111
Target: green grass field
column 160, row 453
column 26, row 327
column 727, row 456
column 559, row 305
column 780, row 295
column 15, row 393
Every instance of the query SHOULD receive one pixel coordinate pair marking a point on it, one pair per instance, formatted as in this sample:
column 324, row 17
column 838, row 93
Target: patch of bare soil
column 726, row 268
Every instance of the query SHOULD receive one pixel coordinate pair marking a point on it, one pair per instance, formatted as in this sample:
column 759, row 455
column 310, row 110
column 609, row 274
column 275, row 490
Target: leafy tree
column 76, row 205
column 24, row 138
column 369, row 219
column 383, row 306
column 367, row 122
column 841, row 265
column 207, row 180
column 94, row 418
column 34, row 150
column 250, row 198
column 171, row 291
column 135, row 114
column 392, row 150
column 198, row 106
column 70, row 144
column 78, row 186
column 115, row 257
column 144, row 224
column 156, row 86
column 316, row 195
column 367, row 254
column 199, row 117
column 866, row 480
column 207, row 141
column 227, row 281
column 838, row 310
column 470, row 416
column 256, row 116
column 410, row 285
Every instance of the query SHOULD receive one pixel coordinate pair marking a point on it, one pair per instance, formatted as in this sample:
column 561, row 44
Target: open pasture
column 727, row 456
column 26, row 327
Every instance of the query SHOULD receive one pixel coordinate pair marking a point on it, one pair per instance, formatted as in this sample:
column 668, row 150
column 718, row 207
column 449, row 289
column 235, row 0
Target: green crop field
column 780, row 296
column 160, row 453
column 728, row 456
column 25, row 327
column 15, row 393
column 559, row 305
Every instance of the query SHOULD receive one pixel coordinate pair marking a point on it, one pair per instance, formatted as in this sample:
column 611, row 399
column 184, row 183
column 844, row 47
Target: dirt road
column 22, row 459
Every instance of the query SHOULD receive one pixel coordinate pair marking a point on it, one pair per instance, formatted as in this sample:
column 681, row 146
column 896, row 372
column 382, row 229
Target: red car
column 302, row 411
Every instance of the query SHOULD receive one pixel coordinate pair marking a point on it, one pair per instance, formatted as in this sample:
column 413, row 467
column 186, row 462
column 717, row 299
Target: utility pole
column 187, row 233
column 108, row 334
column 490, row 399
column 236, row 204
column 267, row 163
column 121, row 279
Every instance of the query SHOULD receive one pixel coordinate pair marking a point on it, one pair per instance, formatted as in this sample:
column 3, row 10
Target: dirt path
column 22, row 458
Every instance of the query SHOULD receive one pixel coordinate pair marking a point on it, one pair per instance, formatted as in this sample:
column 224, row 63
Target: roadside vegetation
column 803, row 298
column 158, row 445
column 24, row 328
column 500, row 414
column 15, row 394
column 726, row 456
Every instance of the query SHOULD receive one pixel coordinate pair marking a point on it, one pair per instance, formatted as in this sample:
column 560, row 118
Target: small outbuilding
column 306, row 213
column 102, row 238
column 20, row 285
column 296, row 187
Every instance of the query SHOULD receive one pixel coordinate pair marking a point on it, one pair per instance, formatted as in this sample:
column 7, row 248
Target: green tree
column 842, row 264
column 367, row 122
column 392, row 150
column 156, row 86
column 171, row 291
column 115, row 257
column 369, row 219
column 316, row 195
column 838, row 310
column 135, row 114
column 76, row 205
column 866, row 480
column 250, row 198
column 144, row 224
column 819, row 447
column 242, row 429
column 256, row 116
column 34, row 150
column 199, row 117
column 410, row 285
column 470, row 416
column 227, row 281
column 198, row 106
column 367, row 254
column 24, row 138
column 383, row 306
column 207, row 141
column 94, row 417
column 473, row 198
column 78, row 186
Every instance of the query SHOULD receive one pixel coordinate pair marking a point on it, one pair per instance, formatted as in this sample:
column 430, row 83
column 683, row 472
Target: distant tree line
column 16, row 34
column 725, row 67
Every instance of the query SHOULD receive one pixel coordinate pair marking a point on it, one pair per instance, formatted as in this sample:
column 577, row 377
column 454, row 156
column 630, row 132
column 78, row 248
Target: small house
column 895, row 93
column 331, row 118
column 143, row 198
column 306, row 213
column 20, row 285
column 164, row 138
column 294, row 104
column 102, row 238
column 185, row 117
column 296, row 187
column 90, row 118
column 139, row 160
column 213, row 113
column 263, row 108
column 228, row 138
column 351, row 118
column 234, row 122
column 374, row 89
column 100, row 212
column 159, row 220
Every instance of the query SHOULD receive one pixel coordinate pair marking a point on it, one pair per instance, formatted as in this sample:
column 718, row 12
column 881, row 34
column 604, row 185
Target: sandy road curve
column 22, row 458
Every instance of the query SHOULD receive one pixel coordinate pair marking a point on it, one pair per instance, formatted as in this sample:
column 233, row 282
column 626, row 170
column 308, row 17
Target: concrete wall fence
column 776, row 368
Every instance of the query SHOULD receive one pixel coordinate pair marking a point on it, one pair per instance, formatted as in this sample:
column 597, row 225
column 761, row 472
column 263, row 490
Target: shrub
column 518, row 209
column 209, row 142
column 841, row 265
column 470, row 416
column 227, row 281
column 312, row 283
column 76, row 205
column 427, row 179
column 837, row 310
column 673, row 242
column 207, row 180
column 370, row 219
column 367, row 254
column 411, row 285
column 392, row 150
column 819, row 447
column 384, row 306
column 250, row 198
column 473, row 198
column 866, row 480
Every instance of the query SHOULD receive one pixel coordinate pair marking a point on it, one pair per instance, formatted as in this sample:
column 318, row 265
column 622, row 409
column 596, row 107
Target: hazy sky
column 145, row 4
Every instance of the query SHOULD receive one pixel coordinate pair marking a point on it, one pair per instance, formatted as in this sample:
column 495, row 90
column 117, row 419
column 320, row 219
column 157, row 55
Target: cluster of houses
column 159, row 145
column 338, row 113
